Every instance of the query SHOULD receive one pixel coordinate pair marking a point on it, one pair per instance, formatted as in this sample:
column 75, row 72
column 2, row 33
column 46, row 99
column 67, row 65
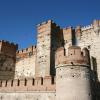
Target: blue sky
column 18, row 18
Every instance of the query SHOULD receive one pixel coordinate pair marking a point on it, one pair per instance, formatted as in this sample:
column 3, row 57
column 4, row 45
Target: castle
column 64, row 65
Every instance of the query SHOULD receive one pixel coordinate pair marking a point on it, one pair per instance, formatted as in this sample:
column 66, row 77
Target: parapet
column 95, row 23
column 88, row 27
column 33, row 84
column 26, row 52
column 7, row 43
column 75, row 56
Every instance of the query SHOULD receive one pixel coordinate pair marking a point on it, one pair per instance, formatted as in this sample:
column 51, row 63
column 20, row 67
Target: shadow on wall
column 7, row 60
column 95, row 82
column 7, row 67
column 57, row 41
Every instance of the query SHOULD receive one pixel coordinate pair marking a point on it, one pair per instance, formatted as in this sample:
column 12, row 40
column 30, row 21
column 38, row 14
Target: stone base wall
column 33, row 95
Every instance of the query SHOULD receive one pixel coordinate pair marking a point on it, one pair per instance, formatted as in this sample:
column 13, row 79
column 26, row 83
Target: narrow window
column 25, row 82
column 6, row 84
column 52, row 81
column 11, row 83
column 33, row 82
column 41, row 81
column 18, row 82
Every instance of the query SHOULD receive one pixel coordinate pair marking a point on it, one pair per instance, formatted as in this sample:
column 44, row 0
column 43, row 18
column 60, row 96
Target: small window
column 72, row 63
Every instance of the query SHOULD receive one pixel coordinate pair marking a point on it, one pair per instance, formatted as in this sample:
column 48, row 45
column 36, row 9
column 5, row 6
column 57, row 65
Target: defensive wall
column 34, row 84
column 28, row 89
column 25, row 63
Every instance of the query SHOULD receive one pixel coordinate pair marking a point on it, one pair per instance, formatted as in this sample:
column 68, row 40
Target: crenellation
column 88, row 27
column 27, row 50
column 46, row 26
column 43, row 23
column 8, row 43
column 27, row 85
column 75, row 56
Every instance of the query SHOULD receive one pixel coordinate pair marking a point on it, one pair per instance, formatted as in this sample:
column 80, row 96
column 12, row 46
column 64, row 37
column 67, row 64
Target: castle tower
column 72, row 74
column 7, row 60
column 49, row 38
column 69, row 36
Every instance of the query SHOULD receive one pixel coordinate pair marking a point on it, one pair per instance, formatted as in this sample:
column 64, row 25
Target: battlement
column 95, row 23
column 88, row 27
column 35, row 84
column 24, row 53
column 75, row 56
column 27, row 50
column 47, row 22
column 47, row 26
column 7, row 43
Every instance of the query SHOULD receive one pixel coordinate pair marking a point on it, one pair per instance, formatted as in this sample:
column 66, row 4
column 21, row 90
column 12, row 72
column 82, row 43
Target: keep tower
column 49, row 38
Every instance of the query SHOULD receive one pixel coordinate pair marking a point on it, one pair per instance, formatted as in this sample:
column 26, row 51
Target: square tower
column 49, row 38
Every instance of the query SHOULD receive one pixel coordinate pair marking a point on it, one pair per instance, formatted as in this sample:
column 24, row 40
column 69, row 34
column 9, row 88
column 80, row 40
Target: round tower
column 72, row 75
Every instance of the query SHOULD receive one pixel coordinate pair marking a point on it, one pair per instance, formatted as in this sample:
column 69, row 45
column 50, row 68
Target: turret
column 72, row 74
